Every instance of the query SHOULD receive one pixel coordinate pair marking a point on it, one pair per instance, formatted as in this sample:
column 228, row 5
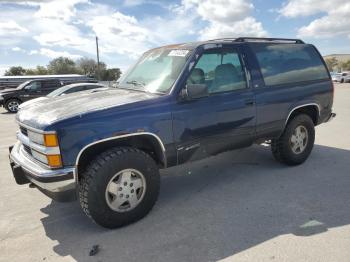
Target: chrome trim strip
column 309, row 104
column 34, row 129
column 40, row 148
column 123, row 136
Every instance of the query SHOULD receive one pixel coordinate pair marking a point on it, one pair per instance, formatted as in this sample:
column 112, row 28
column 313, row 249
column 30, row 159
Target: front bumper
column 330, row 117
column 58, row 184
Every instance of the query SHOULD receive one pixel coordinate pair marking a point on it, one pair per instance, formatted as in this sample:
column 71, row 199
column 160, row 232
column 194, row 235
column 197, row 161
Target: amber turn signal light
column 50, row 140
column 54, row 160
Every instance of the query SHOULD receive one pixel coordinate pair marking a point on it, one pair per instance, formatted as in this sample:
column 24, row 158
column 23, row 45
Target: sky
column 33, row 32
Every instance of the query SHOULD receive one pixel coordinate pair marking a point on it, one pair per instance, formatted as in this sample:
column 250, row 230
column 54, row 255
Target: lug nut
column 125, row 183
column 120, row 189
column 131, row 184
column 121, row 195
column 127, row 196
column 132, row 190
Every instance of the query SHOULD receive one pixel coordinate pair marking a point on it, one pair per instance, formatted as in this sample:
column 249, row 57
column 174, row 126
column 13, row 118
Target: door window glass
column 74, row 89
column 34, row 86
column 50, row 84
column 221, row 70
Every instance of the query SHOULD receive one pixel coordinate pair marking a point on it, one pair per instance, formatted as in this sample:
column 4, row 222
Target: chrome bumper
column 331, row 116
column 59, row 184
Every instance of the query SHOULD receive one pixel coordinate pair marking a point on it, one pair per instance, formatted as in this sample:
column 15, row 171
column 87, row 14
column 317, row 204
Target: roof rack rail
column 224, row 39
column 247, row 39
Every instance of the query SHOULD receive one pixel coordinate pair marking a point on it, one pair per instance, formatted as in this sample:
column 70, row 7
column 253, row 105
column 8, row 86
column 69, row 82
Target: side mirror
column 195, row 91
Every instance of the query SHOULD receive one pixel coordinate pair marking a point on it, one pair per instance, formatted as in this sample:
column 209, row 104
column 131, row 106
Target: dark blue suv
column 178, row 103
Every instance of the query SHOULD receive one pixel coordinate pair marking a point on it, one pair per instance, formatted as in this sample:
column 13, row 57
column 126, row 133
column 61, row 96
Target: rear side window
column 289, row 63
column 50, row 84
column 75, row 89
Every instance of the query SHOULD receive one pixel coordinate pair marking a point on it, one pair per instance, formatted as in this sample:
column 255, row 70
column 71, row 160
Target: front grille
column 23, row 130
column 27, row 149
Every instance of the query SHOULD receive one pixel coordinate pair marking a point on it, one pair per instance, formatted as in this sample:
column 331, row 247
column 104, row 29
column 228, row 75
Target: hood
column 8, row 91
column 32, row 102
column 48, row 111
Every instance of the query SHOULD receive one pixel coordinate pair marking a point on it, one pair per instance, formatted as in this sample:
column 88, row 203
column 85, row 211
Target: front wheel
column 296, row 143
column 12, row 105
column 119, row 187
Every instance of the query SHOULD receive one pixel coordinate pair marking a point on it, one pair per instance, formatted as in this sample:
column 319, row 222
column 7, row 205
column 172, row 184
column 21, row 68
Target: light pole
column 98, row 59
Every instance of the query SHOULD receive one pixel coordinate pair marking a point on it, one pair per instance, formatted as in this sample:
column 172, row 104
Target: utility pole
column 98, row 59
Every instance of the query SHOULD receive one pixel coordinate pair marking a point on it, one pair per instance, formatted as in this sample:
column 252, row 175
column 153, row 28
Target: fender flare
column 120, row 137
column 300, row 106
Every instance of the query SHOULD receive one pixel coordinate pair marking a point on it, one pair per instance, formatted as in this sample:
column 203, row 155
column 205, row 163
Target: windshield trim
column 193, row 52
column 171, row 88
column 23, row 85
column 139, row 90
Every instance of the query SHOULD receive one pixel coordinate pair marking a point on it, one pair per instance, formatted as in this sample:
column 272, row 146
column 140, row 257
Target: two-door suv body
column 178, row 103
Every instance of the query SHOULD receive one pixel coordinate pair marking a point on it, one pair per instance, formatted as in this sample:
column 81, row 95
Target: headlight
column 49, row 140
column 36, row 137
column 50, row 160
column 48, row 152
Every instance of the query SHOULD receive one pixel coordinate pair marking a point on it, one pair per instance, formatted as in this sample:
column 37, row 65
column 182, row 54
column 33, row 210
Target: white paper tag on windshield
column 178, row 52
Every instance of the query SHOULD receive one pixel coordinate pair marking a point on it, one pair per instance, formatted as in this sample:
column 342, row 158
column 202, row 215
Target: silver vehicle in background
column 64, row 90
column 342, row 77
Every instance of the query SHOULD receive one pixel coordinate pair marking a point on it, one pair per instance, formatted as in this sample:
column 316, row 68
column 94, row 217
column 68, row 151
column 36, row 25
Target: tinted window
column 74, row 89
column 50, row 84
column 288, row 63
column 36, row 85
column 221, row 70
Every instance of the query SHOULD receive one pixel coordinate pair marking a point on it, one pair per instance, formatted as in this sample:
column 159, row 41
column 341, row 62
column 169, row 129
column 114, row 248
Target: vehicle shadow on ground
column 215, row 208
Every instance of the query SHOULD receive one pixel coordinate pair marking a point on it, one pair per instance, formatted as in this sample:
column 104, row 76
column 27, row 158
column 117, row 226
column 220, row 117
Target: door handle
column 250, row 102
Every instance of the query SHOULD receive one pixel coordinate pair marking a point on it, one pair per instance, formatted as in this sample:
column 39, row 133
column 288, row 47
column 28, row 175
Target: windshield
column 156, row 71
column 59, row 91
column 23, row 84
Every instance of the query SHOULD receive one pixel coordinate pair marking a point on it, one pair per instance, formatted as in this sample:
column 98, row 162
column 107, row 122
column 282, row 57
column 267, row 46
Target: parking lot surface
column 237, row 206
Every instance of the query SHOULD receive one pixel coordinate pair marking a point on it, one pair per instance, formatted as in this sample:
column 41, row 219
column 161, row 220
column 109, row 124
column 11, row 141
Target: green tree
column 15, row 71
column 88, row 66
column 111, row 74
column 42, row 70
column 332, row 63
column 39, row 70
column 62, row 65
column 345, row 65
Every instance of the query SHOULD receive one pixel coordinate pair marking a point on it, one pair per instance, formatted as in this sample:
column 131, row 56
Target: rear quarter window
column 289, row 63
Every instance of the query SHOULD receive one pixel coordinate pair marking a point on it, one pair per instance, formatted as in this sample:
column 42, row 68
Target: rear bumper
column 58, row 184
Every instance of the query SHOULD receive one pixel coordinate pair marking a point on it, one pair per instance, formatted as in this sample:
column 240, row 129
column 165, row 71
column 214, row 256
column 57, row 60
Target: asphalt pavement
column 237, row 206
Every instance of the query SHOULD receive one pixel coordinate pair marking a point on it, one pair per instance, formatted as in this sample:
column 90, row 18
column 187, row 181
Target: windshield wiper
column 136, row 83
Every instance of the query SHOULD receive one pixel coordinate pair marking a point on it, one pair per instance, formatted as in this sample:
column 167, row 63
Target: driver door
column 31, row 91
column 221, row 121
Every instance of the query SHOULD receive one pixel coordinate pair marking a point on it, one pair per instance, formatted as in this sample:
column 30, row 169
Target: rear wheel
column 119, row 187
column 296, row 143
column 12, row 105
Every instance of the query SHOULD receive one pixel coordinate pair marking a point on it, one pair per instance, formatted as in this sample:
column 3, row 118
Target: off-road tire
column 281, row 147
column 8, row 103
column 96, row 176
